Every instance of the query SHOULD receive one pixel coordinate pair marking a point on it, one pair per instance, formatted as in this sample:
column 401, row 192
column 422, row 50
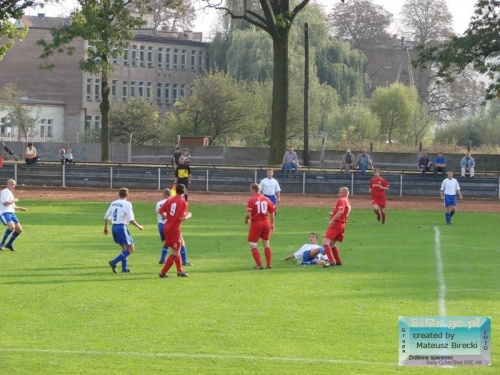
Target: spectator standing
column 68, row 157
column 424, row 162
column 30, row 156
column 120, row 213
column 364, row 162
column 183, row 175
column 187, row 157
column 270, row 187
column 8, row 217
column 440, row 162
column 378, row 186
column 449, row 190
column 260, row 215
column 62, row 152
column 467, row 164
column 290, row 162
column 336, row 227
column 347, row 162
column 175, row 157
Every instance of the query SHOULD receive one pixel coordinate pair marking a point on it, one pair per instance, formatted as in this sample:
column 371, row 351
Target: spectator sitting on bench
column 290, row 162
column 440, row 163
column 424, row 162
column 347, row 162
column 364, row 162
column 30, row 156
column 467, row 164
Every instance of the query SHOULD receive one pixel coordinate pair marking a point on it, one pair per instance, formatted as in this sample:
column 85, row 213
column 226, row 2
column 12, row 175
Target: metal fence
column 236, row 180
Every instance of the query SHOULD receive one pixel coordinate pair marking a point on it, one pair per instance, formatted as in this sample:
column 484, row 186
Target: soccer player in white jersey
column 120, row 213
column 449, row 190
column 311, row 253
column 8, row 217
column 270, row 187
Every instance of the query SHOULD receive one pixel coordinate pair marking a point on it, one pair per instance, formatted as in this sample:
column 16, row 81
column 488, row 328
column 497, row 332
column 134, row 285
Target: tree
column 108, row 26
column 354, row 122
column 11, row 9
column 361, row 22
column 18, row 115
column 479, row 46
column 275, row 18
column 395, row 106
column 217, row 108
column 134, row 121
column 420, row 125
column 173, row 15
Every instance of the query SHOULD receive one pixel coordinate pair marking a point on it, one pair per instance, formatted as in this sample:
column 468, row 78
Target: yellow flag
column 173, row 191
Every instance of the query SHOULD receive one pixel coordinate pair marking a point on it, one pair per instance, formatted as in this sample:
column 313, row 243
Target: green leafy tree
column 421, row 125
column 11, row 9
column 354, row 122
column 135, row 121
column 275, row 18
column 19, row 116
column 108, row 26
column 395, row 107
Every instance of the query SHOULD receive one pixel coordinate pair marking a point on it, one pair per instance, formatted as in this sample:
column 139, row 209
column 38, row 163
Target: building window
column 142, row 56
column 49, row 128
column 3, row 125
column 115, row 58
column 167, row 93
column 134, row 55
column 167, row 58
column 97, row 89
column 207, row 61
column 125, row 57
column 176, row 57
column 183, row 59
column 97, row 122
column 43, row 123
column 114, row 83
column 150, row 57
column 193, row 60
column 183, row 91
column 149, row 89
column 132, row 89
column 158, row 92
column 125, row 90
column 200, row 60
column 89, row 89
column 88, row 121
column 141, row 89
column 160, row 58
column 174, row 93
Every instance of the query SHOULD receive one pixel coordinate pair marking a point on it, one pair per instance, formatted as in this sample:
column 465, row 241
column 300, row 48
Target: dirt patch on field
column 295, row 200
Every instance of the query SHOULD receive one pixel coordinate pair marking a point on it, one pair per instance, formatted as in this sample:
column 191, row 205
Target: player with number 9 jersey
column 175, row 210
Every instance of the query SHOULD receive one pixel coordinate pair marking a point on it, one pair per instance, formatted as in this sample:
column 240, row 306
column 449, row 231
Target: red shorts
column 259, row 229
column 173, row 238
column 381, row 202
column 335, row 232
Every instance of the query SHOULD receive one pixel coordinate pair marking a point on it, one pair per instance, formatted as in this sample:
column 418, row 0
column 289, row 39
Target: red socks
column 256, row 257
column 337, row 255
column 383, row 217
column 329, row 253
column 178, row 264
column 170, row 261
column 269, row 256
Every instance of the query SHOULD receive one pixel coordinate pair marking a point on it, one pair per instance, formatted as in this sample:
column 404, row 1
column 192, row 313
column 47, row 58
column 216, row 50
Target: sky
column 461, row 11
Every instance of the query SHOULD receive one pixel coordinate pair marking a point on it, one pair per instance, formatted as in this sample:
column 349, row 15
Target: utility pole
column 306, row 95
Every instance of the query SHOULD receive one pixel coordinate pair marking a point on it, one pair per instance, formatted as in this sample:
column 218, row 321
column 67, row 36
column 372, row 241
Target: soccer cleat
column 2, row 246
column 10, row 247
column 258, row 268
column 182, row 274
column 162, row 275
column 269, row 267
column 326, row 265
column 338, row 264
column 383, row 222
column 332, row 264
column 113, row 266
column 187, row 264
column 126, row 271
column 161, row 262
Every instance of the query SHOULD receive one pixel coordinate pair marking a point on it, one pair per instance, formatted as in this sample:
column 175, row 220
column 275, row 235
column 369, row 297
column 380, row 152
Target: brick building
column 159, row 66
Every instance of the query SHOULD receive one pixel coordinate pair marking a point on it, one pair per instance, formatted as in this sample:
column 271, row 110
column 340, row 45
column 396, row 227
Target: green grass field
column 62, row 310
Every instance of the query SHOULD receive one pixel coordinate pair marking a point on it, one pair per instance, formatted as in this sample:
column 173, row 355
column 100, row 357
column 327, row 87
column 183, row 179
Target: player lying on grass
column 310, row 253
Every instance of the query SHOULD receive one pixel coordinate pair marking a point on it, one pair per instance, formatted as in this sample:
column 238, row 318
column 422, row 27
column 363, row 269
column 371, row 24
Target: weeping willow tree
column 342, row 67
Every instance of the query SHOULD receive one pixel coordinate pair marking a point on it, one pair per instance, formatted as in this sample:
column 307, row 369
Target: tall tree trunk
column 104, row 106
column 280, row 99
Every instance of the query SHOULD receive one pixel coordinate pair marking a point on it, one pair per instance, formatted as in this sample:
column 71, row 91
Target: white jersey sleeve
column 120, row 212
column 308, row 246
column 160, row 218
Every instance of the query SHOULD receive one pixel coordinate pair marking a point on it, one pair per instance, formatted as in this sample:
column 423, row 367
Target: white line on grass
column 439, row 269
column 195, row 356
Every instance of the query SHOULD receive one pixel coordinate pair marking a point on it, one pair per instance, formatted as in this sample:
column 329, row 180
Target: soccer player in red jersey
column 336, row 228
column 378, row 186
column 175, row 210
column 260, row 214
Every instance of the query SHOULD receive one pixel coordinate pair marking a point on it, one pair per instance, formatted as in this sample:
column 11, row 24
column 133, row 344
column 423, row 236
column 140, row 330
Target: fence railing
column 236, row 180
